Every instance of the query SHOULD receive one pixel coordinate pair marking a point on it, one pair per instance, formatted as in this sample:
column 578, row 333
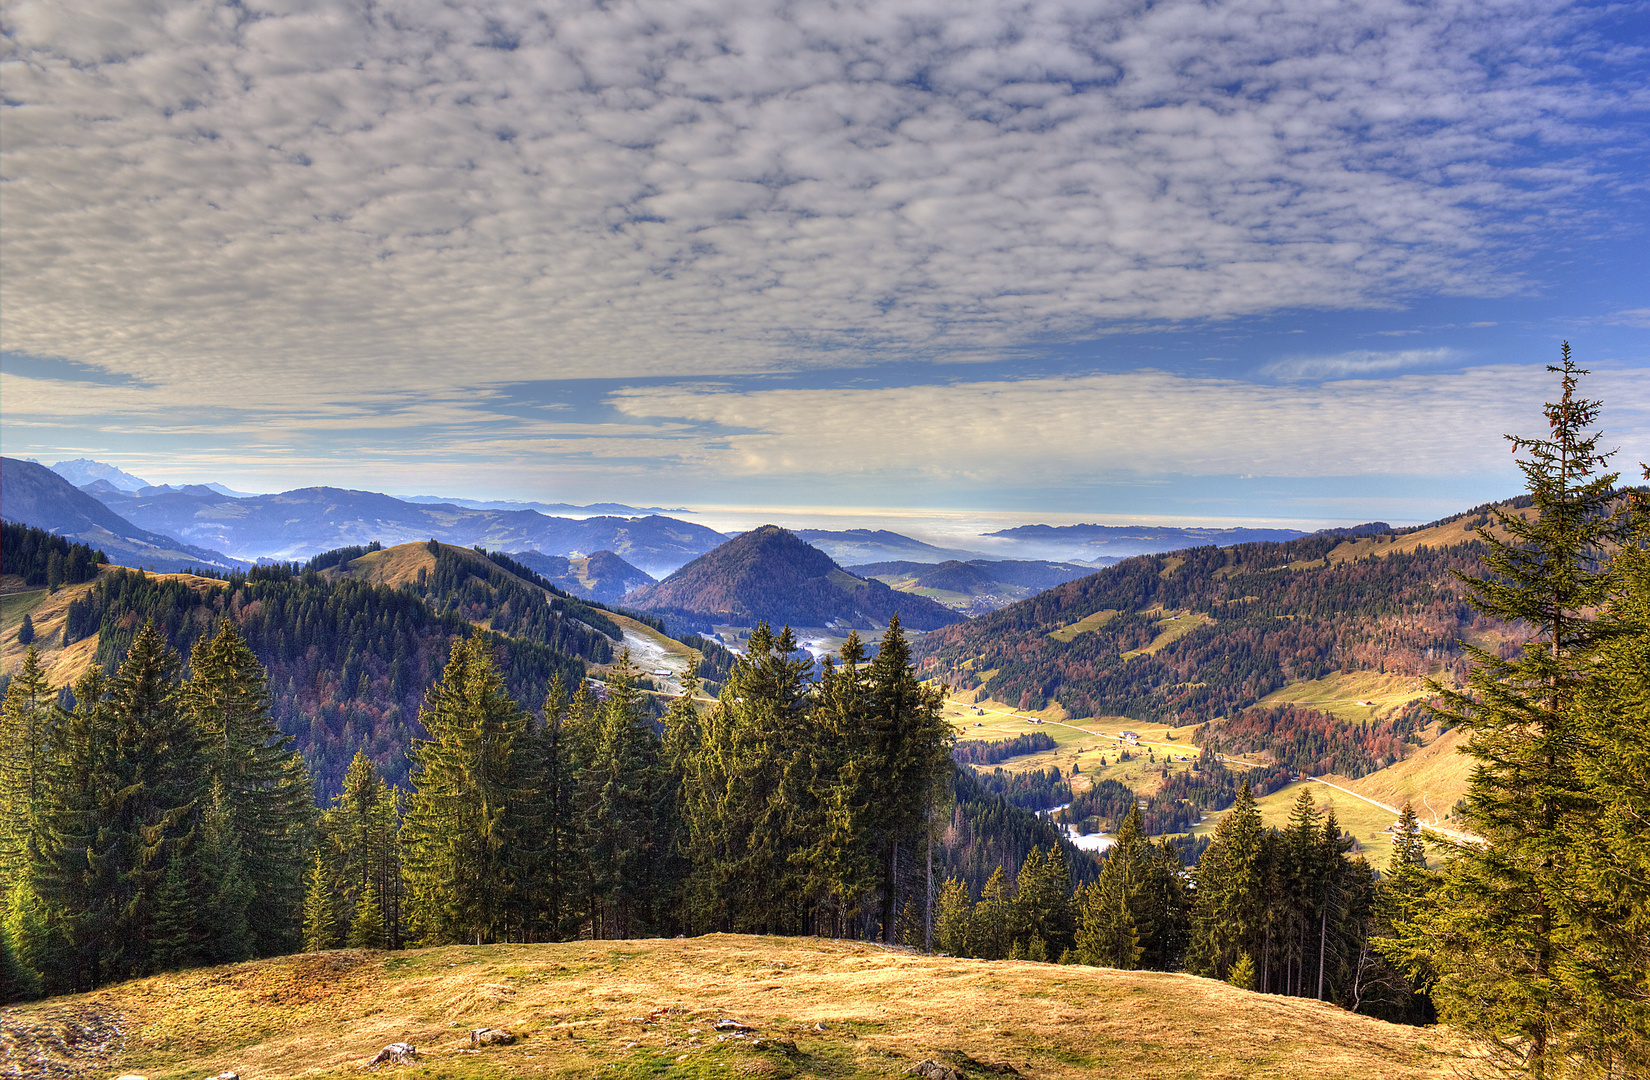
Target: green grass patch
column 1084, row 625
column 13, row 606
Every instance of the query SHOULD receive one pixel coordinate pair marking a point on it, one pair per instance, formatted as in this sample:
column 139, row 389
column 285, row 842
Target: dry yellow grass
column 1432, row 779
column 647, row 1009
column 65, row 665
column 394, row 566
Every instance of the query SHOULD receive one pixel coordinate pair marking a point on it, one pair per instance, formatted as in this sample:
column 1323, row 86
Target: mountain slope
column 1208, row 631
column 307, row 521
column 600, row 576
column 815, row 1008
column 770, row 574
column 35, row 495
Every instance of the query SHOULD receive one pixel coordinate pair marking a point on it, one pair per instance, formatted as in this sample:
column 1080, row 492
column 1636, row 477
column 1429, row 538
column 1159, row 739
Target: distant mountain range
column 879, row 545
column 306, row 521
column 553, row 509
column 1088, row 543
column 771, row 574
column 34, row 495
column 976, row 586
column 600, row 576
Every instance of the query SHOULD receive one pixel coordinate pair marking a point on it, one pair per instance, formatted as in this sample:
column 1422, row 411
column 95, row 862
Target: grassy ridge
column 647, row 1009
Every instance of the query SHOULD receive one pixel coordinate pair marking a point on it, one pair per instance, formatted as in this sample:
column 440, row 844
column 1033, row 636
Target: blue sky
column 1243, row 261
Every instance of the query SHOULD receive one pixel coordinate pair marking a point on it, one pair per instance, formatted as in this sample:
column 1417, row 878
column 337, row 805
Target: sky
column 1237, row 261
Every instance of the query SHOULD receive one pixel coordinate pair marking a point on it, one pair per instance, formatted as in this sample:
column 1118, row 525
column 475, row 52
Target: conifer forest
column 283, row 761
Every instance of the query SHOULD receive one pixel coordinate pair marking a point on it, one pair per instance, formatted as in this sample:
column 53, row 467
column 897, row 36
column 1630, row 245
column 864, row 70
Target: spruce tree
column 1503, row 926
column 366, row 928
column 951, row 919
column 1043, row 897
column 1114, row 912
column 904, row 759
column 1230, row 899
column 162, row 772
column 625, row 774
column 25, row 630
column 1611, row 968
column 749, row 795
column 320, row 930
column 463, row 817
column 263, row 786
column 25, row 765
column 991, row 928
column 76, row 864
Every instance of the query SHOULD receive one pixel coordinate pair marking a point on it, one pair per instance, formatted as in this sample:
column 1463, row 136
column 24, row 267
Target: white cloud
column 1358, row 362
column 1039, row 433
column 290, row 196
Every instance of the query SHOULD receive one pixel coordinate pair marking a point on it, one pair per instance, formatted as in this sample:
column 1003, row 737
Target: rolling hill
column 307, row 521
column 711, row 1006
column 32, row 494
column 771, row 574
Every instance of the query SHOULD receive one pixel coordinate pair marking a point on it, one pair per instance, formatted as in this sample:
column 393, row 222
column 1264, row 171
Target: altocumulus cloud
column 289, row 196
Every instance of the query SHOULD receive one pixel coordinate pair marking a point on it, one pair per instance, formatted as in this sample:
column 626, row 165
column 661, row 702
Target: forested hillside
column 1208, row 631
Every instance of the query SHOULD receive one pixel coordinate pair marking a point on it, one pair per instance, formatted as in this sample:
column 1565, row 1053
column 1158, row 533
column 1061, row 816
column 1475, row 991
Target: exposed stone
column 491, row 1037
column 733, row 1026
column 933, row 1070
column 397, row 1053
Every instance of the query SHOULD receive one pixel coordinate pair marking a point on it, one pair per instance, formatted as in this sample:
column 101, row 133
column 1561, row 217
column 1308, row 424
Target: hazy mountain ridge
column 304, row 522
column 1089, row 541
column 771, row 574
column 602, row 575
column 32, row 494
column 880, row 545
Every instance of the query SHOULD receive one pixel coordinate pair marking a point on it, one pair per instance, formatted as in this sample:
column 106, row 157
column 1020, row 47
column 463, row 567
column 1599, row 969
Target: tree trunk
column 889, row 893
column 928, row 895
column 1323, row 937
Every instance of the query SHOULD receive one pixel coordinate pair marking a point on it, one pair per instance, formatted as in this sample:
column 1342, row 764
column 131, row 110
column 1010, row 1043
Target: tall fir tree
column 320, row 931
column 75, row 865
column 1227, row 913
column 262, row 786
column 1611, row 969
column 25, row 766
column 463, row 817
column 625, row 781
column 1503, row 930
column 904, row 758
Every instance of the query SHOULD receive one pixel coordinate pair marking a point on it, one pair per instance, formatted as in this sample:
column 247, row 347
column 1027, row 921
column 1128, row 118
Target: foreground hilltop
column 814, row 1008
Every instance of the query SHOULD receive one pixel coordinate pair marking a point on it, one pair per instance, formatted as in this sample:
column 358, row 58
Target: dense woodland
column 156, row 817
column 1393, row 613
column 1312, row 742
column 44, row 559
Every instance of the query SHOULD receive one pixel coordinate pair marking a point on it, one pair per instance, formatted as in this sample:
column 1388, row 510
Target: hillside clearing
column 647, row 1008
